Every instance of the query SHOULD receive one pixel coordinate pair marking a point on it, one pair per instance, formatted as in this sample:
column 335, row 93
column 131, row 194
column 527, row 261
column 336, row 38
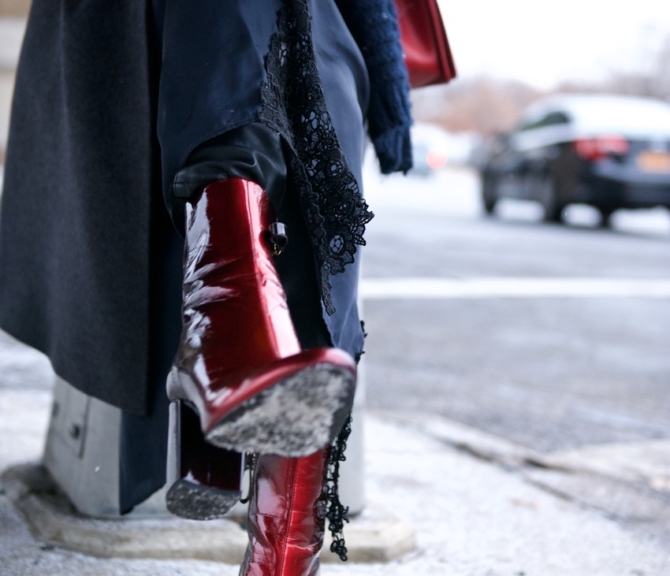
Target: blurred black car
column 607, row 151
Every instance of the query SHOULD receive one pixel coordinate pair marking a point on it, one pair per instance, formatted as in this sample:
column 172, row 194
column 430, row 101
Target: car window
column 527, row 124
column 549, row 119
column 555, row 118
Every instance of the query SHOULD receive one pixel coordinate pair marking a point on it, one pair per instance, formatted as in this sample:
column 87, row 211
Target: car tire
column 605, row 217
column 553, row 208
column 489, row 193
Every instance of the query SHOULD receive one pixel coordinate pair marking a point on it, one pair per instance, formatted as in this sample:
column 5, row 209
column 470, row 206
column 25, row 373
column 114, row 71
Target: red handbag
column 424, row 40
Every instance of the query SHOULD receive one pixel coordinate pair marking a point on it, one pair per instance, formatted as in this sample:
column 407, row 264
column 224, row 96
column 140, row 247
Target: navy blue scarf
column 374, row 26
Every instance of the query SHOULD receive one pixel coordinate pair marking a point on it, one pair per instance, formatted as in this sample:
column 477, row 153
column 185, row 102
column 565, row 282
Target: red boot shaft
column 239, row 362
column 286, row 516
column 233, row 298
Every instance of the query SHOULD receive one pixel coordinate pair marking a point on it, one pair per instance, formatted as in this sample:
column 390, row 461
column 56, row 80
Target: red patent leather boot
column 286, row 516
column 239, row 365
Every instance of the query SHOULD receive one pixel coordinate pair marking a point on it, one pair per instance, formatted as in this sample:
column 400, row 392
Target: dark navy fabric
column 212, row 71
column 213, row 65
column 347, row 91
column 374, row 25
column 143, row 437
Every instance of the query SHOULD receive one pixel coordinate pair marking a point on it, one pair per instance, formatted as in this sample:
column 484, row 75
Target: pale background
column 543, row 43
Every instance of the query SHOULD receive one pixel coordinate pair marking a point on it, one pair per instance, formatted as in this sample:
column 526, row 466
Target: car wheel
column 489, row 193
column 553, row 208
column 605, row 217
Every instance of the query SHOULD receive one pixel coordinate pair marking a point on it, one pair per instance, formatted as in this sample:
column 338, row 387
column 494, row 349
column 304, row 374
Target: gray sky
column 545, row 42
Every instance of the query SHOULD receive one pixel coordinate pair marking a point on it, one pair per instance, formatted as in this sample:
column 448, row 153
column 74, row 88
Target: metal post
column 82, row 454
column 352, row 480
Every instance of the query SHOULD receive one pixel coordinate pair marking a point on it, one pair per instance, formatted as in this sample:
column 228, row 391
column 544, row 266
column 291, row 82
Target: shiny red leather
column 424, row 40
column 238, row 338
column 284, row 524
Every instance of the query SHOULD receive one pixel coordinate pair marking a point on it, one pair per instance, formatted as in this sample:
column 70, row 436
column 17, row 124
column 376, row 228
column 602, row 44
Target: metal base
column 82, row 456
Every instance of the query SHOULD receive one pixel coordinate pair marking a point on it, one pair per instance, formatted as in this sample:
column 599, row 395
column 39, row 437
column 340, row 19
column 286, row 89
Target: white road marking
column 439, row 288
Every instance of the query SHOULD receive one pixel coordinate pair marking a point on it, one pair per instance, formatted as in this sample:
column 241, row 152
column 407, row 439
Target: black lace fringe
column 337, row 513
column 294, row 105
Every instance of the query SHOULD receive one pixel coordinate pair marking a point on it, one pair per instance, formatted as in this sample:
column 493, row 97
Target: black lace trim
column 294, row 105
column 336, row 512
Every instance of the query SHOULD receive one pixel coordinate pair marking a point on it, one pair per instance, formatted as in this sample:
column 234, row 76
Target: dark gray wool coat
column 81, row 180
column 89, row 259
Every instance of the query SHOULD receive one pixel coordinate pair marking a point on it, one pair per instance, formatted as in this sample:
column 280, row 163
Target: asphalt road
column 550, row 373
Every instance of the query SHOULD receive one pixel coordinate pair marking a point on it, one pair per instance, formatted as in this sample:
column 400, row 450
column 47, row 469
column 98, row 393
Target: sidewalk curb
column 633, row 463
column 53, row 520
column 629, row 482
column 374, row 536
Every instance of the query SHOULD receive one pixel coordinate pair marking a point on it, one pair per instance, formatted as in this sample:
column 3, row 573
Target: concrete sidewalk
column 478, row 506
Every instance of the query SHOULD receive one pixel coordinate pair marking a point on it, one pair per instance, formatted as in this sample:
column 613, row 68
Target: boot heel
column 204, row 481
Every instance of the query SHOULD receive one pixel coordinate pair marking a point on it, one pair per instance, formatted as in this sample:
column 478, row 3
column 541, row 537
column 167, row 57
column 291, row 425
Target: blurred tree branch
column 483, row 105
column 652, row 83
column 490, row 106
column 14, row 8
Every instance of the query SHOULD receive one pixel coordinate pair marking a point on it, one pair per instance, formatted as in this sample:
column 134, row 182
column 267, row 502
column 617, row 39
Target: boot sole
column 198, row 502
column 295, row 417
